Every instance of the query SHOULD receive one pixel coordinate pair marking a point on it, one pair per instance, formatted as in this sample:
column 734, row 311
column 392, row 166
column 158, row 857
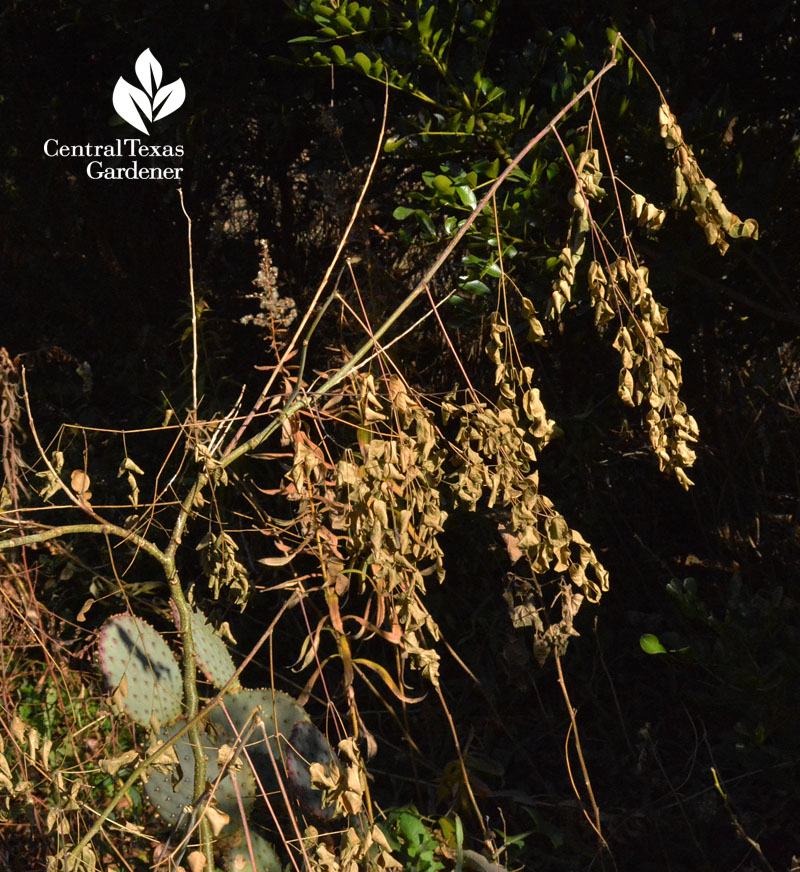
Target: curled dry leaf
column 217, row 819
column 112, row 765
column 196, row 861
column 711, row 213
column 81, row 484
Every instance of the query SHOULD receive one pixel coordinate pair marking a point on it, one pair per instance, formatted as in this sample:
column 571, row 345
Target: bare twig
column 596, row 825
column 194, row 306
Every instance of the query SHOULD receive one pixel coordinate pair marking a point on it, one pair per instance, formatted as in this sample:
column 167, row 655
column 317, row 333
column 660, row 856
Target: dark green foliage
column 465, row 125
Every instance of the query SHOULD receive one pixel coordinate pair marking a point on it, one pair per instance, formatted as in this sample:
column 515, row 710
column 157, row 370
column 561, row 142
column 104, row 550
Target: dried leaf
column 80, row 484
column 112, row 765
column 196, row 861
column 217, row 819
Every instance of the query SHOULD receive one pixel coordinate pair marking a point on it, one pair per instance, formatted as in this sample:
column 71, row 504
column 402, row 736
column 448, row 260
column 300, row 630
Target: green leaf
column 299, row 39
column 425, row 221
column 425, row 24
column 475, row 286
column 337, row 54
column 411, row 829
column 459, row 832
column 443, row 185
column 344, row 23
column 467, row 196
column 651, row 644
column 362, row 62
column 392, row 144
column 402, row 212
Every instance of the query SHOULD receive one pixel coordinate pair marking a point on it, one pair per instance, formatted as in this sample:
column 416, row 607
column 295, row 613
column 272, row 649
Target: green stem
column 189, row 665
column 104, row 528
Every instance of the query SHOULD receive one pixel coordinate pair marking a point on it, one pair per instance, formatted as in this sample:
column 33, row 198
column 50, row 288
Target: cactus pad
column 211, row 652
column 138, row 664
column 236, row 853
column 273, row 704
column 171, row 791
column 307, row 745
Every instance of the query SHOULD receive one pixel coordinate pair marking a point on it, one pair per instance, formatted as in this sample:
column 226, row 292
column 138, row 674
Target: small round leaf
column 362, row 62
column 651, row 644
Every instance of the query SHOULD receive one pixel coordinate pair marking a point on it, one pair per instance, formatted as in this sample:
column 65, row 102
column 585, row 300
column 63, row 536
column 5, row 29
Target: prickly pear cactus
column 142, row 671
column 279, row 712
column 307, row 745
column 236, row 853
column 173, row 789
column 147, row 683
column 211, row 652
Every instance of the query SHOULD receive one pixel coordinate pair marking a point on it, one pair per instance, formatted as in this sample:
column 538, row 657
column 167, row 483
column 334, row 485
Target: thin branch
column 194, row 306
column 104, row 528
column 73, row 498
column 487, row 835
column 596, row 825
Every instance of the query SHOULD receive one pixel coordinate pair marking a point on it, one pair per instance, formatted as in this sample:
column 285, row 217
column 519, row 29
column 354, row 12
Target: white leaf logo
column 151, row 101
